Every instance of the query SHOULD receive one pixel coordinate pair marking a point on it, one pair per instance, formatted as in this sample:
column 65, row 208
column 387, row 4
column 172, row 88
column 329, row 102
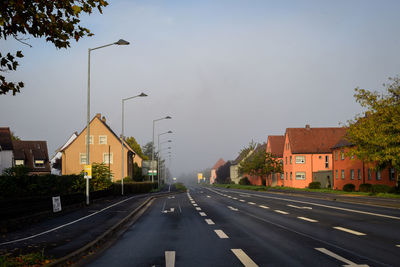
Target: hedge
column 365, row 188
column 349, row 187
column 244, row 181
column 314, row 185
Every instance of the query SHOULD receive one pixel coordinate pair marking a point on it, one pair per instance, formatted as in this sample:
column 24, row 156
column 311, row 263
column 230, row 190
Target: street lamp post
column 158, row 159
column 152, row 147
column 119, row 42
column 123, row 138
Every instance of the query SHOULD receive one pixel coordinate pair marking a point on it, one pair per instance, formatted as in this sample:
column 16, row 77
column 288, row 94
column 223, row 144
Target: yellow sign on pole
column 87, row 170
column 199, row 176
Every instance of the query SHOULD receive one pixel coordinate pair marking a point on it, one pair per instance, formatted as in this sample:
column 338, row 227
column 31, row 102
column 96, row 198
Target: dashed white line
column 307, row 219
column 209, row 221
column 244, row 259
column 348, row 230
column 242, row 200
column 251, row 203
column 232, row 208
column 198, row 208
column 208, row 196
column 235, row 198
column 340, row 258
column 221, row 234
column 398, row 246
column 202, row 214
column 195, row 205
column 264, row 207
column 281, row 212
column 297, row 207
column 170, row 258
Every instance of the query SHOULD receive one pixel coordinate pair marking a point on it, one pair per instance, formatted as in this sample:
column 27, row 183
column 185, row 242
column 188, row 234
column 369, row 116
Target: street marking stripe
column 169, row 258
column 251, row 203
column 209, row 221
column 297, row 207
column 281, row 212
column 195, row 205
column 235, row 198
column 348, row 230
column 198, row 208
column 242, row 200
column 244, row 259
column 221, row 234
column 232, row 208
column 307, row 219
column 264, row 207
column 202, row 214
column 340, row 258
column 398, row 246
column 208, row 196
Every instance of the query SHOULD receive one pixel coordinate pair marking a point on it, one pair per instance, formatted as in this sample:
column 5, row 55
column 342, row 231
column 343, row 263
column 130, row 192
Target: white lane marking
column 201, row 192
column 198, row 208
column 307, row 219
column 348, row 230
column 244, row 195
column 232, row 208
column 209, row 221
column 221, row 234
column 244, row 259
column 170, row 210
column 208, row 196
column 297, row 207
column 170, row 258
column 398, row 246
column 340, row 258
column 179, row 205
column 229, row 196
column 171, row 197
column 251, row 203
column 235, row 198
column 281, row 212
column 64, row 225
column 195, row 205
column 264, row 207
column 202, row 214
column 242, row 200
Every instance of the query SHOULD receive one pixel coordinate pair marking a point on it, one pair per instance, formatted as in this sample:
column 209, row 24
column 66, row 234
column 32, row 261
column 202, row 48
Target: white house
column 6, row 149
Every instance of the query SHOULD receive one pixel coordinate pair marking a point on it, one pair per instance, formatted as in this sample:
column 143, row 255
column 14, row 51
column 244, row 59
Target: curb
column 103, row 241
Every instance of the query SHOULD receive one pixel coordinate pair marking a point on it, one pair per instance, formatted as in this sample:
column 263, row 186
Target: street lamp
column 158, row 159
column 152, row 147
column 123, row 138
column 119, row 42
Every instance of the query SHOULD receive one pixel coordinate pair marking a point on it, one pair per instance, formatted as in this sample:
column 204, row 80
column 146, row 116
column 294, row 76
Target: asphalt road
column 223, row 227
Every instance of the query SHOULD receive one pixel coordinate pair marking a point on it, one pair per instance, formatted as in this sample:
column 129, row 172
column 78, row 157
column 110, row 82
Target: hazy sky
column 226, row 71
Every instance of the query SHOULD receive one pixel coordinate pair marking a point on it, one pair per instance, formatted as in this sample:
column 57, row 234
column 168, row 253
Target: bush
column 314, row 185
column 365, row 188
column 381, row 188
column 244, row 181
column 349, row 187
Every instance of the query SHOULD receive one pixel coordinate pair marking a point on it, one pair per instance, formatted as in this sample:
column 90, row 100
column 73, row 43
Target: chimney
column 98, row 115
column 103, row 119
column 307, row 126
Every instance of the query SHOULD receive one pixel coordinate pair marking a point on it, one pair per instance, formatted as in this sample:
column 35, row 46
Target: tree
column 14, row 137
column 137, row 173
column 57, row 21
column 147, row 150
column 101, row 177
column 375, row 133
column 223, row 174
column 136, row 147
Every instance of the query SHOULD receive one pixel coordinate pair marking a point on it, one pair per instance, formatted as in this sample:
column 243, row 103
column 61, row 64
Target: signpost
column 87, row 170
column 56, row 204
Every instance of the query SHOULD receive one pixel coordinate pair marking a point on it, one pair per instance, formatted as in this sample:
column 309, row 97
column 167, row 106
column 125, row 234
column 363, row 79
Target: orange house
column 349, row 170
column 214, row 169
column 307, row 155
column 105, row 147
column 275, row 145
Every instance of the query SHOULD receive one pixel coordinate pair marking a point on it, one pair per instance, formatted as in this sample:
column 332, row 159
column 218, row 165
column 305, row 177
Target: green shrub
column 381, row 188
column 244, row 181
column 349, row 187
column 314, row 185
column 365, row 188
column 180, row 187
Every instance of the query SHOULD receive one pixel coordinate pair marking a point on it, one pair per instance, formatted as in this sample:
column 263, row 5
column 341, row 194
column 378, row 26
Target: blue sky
column 226, row 71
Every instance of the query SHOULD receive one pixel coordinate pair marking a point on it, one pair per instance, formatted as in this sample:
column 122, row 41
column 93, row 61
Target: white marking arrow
column 170, row 210
column 340, row 258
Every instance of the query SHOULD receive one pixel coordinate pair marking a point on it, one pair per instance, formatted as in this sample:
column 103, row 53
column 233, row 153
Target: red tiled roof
column 276, row 143
column 5, row 138
column 219, row 163
column 314, row 140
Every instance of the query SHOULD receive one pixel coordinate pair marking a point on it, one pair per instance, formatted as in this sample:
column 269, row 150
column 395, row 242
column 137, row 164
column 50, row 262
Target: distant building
column 234, row 168
column 214, row 169
column 32, row 154
column 6, row 149
column 275, row 144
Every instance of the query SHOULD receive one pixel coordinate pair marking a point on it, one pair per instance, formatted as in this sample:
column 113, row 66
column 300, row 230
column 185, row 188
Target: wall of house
column 352, row 166
column 234, row 173
column 71, row 155
column 213, row 176
column 6, row 160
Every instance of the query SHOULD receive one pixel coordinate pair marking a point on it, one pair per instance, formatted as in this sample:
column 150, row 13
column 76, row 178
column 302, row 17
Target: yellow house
column 105, row 147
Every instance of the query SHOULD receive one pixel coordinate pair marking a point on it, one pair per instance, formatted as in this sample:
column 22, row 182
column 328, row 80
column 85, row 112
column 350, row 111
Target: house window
column 336, row 174
column 291, row 177
column 359, row 174
column 342, row 174
column 300, row 175
column 378, row 175
column 290, row 159
column 82, row 158
column 282, row 176
column 90, row 139
column 391, row 174
column 342, row 155
column 103, row 139
column 326, row 161
column 19, row 162
column 352, row 174
column 300, row 159
column 336, row 155
column 369, row 174
column 38, row 163
column 108, row 158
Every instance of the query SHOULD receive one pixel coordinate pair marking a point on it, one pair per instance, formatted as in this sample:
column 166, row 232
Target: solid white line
column 251, row 203
column 336, row 256
column 264, row 207
column 297, row 207
column 221, row 234
column 281, row 212
column 242, row 200
column 209, row 221
column 64, row 225
column 169, row 258
column 198, row 208
column 202, row 214
column 307, row 219
column 244, row 259
column 348, row 230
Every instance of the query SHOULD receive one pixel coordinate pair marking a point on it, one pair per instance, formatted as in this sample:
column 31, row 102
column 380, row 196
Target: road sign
column 150, row 172
column 87, row 171
column 56, row 204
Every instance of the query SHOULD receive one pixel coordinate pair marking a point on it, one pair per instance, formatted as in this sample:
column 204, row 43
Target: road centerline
column 221, row 234
column 244, row 258
column 348, row 230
